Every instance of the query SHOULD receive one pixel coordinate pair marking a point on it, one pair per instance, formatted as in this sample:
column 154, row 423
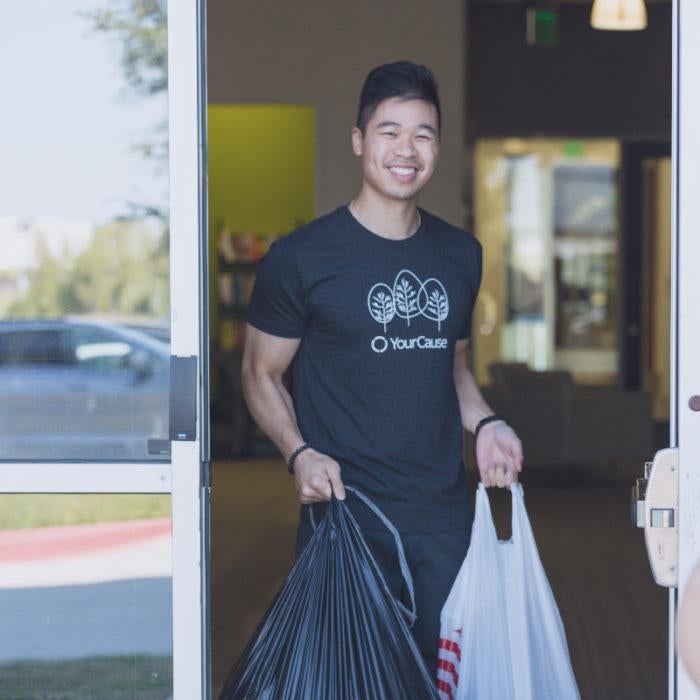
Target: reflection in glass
column 525, row 239
column 546, row 211
column 84, row 300
column 585, row 250
column 85, row 597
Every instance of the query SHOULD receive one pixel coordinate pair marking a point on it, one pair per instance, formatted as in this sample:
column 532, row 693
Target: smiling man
column 372, row 305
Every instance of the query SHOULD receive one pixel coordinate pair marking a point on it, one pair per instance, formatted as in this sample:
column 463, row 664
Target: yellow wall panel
column 261, row 167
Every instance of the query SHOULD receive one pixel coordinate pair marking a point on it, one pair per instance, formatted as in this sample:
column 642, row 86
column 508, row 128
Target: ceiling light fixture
column 619, row 15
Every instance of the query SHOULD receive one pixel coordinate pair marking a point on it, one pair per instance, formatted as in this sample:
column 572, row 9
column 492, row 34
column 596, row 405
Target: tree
column 46, row 291
column 124, row 270
column 140, row 28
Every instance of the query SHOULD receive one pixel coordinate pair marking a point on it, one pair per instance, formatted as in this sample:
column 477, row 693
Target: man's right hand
column 315, row 474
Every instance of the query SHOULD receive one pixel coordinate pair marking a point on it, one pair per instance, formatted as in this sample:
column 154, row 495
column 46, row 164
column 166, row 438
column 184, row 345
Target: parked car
column 83, row 390
column 156, row 328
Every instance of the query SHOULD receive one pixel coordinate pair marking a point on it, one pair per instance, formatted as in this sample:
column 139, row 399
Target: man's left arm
column 499, row 454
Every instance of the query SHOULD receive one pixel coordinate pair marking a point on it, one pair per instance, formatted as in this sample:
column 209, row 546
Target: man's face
column 399, row 148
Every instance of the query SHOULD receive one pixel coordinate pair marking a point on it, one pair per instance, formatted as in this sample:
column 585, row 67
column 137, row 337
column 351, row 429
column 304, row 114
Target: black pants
column 433, row 559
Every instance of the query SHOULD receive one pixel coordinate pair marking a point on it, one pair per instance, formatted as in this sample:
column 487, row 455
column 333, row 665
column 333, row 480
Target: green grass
column 22, row 511
column 95, row 678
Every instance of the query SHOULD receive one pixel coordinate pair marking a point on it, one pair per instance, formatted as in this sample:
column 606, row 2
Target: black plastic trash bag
column 334, row 630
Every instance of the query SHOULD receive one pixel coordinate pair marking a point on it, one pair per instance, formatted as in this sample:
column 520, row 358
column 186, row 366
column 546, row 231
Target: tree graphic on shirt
column 381, row 304
column 406, row 299
column 437, row 305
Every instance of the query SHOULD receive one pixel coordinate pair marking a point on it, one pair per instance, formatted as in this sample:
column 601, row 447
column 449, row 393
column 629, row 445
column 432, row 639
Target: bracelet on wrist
column 486, row 421
column 294, row 455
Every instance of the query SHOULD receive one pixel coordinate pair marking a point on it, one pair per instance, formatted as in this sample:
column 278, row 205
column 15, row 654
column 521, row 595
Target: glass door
column 103, row 440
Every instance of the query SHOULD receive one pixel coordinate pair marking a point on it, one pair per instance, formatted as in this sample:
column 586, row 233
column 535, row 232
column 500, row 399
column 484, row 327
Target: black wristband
column 294, row 455
column 485, row 421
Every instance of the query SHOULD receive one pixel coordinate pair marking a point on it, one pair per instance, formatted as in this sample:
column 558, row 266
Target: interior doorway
column 577, row 486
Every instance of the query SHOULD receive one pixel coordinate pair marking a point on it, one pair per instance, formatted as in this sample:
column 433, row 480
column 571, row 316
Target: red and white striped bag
column 489, row 648
column 449, row 657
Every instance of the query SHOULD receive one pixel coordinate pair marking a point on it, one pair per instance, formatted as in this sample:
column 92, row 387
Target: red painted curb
column 63, row 540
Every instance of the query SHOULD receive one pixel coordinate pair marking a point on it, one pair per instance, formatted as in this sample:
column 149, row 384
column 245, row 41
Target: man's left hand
column 499, row 455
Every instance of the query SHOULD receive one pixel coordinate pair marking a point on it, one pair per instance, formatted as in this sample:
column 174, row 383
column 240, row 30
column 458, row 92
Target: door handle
column 655, row 508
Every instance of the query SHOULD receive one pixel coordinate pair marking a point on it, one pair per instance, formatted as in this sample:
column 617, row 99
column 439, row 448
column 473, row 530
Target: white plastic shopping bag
column 501, row 635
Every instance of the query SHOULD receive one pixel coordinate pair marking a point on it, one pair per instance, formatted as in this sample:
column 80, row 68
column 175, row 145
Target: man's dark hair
column 402, row 79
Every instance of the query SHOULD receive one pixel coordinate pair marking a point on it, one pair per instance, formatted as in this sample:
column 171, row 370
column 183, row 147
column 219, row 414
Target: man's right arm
column 265, row 359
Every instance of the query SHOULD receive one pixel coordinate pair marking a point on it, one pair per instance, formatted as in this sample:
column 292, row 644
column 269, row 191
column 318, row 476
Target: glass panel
column 585, row 254
column 84, row 289
column 526, row 242
column 85, row 597
column 546, row 211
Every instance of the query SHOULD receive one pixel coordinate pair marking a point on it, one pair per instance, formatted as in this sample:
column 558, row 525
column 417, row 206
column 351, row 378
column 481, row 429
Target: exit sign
column 542, row 27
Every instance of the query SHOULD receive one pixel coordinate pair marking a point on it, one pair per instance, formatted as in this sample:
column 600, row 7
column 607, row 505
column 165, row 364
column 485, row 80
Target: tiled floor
column 615, row 616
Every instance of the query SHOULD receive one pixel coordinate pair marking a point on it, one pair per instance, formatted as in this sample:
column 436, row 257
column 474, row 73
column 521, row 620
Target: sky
column 68, row 119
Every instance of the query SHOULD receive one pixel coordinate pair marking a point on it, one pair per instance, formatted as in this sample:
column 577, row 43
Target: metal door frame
column 685, row 311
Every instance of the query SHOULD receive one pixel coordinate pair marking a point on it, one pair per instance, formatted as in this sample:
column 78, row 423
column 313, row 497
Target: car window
column 33, row 347
column 100, row 352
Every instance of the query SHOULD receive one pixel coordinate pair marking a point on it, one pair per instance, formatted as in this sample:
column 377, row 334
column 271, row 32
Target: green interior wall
column 261, row 166
column 261, row 171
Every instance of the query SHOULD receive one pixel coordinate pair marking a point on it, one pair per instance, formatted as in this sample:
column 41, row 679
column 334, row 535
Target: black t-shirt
column 372, row 380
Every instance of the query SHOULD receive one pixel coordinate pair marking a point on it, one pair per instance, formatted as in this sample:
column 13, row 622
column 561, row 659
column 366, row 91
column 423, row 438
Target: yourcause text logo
column 407, row 299
column 381, row 344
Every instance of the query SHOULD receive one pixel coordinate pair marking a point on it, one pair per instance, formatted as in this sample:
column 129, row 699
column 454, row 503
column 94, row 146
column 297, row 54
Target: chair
column 562, row 423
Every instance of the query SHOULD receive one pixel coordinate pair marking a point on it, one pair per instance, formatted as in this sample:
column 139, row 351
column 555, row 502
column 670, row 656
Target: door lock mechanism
column 655, row 508
column 639, row 491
